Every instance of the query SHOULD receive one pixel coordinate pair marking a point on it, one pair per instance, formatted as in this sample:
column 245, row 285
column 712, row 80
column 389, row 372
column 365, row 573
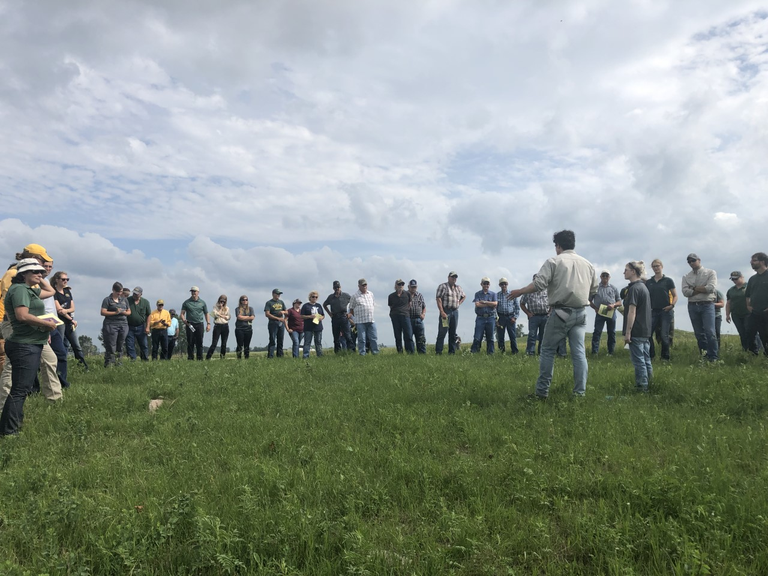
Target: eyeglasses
column 222, row 301
column 401, row 284
column 312, row 297
column 64, row 279
column 160, row 305
column 503, row 283
column 243, row 299
column 689, row 260
column 486, row 283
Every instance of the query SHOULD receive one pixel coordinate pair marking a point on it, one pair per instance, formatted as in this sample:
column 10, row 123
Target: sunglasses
column 243, row 299
column 689, row 261
column 64, row 279
column 486, row 283
column 503, row 284
column 160, row 305
column 312, row 297
column 401, row 283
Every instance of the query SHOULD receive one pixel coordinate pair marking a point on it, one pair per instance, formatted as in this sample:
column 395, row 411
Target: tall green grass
column 392, row 465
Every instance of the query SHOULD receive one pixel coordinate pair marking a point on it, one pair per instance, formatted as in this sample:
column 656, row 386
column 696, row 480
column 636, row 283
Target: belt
column 701, row 303
column 505, row 315
column 485, row 315
column 449, row 309
column 569, row 308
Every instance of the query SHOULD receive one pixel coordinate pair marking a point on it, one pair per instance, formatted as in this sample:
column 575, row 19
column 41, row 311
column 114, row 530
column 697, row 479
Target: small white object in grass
column 155, row 404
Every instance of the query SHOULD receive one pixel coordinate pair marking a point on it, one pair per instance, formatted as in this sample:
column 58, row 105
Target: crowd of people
column 39, row 320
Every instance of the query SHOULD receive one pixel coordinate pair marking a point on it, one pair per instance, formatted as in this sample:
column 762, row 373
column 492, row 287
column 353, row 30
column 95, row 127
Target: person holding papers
column 313, row 315
column 605, row 303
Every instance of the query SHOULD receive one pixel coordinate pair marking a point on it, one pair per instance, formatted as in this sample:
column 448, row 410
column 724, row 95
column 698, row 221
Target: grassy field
column 392, row 465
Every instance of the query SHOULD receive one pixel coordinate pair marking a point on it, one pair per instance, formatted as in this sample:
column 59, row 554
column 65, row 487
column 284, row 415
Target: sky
column 246, row 145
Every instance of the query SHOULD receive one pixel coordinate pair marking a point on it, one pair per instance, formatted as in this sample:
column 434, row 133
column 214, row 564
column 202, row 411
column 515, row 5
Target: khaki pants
column 49, row 379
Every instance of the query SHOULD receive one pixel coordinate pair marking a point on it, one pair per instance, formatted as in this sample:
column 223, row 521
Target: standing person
column 418, row 308
column 508, row 311
column 736, row 308
column 362, row 307
column 536, row 307
column 336, row 305
column 637, row 328
column 663, row 299
column 313, row 315
column 115, row 309
column 699, row 286
column 485, row 317
column 53, row 362
column 65, row 308
column 159, row 322
column 221, row 318
column 449, row 297
column 719, row 305
column 25, row 345
column 244, row 317
column 608, row 300
column 138, row 324
column 757, row 302
column 193, row 311
column 295, row 327
column 274, row 310
column 399, row 303
column 570, row 281
column 173, row 334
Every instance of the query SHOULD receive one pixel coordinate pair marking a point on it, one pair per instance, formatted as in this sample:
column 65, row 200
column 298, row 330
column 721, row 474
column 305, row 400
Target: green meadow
column 392, row 465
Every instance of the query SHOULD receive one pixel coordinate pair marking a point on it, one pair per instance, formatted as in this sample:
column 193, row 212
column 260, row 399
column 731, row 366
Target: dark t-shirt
column 399, row 305
column 295, row 321
column 140, row 311
column 309, row 325
column 738, row 299
column 659, row 291
column 637, row 295
column 757, row 291
column 65, row 301
column 243, row 324
column 111, row 306
column 275, row 307
column 338, row 304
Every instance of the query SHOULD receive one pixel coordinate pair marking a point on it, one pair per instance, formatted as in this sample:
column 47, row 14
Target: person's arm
column 423, row 308
column 728, row 311
column 46, row 291
column 524, row 308
column 146, row 324
column 631, row 314
column 530, row 289
column 23, row 315
column 207, row 322
column 183, row 316
column 351, row 308
column 686, row 287
column 673, row 291
column 515, row 310
column 327, row 307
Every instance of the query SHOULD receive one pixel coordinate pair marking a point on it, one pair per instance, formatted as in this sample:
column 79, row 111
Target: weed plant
column 392, row 465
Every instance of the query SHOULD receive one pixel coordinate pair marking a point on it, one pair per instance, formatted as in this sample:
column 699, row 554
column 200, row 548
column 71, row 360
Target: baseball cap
column 605, row 273
column 297, row 301
column 194, row 289
column 503, row 280
column 362, row 282
column 452, row 275
column 736, row 274
column 277, row 291
column 336, row 284
column 692, row 256
column 413, row 283
column 138, row 290
column 485, row 279
column 160, row 302
column 38, row 250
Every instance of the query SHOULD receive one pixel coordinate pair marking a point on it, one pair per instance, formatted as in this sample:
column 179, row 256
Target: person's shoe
column 239, row 355
column 223, row 356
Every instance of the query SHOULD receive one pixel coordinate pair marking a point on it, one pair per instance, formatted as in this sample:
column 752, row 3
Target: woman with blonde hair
column 221, row 318
column 244, row 327
column 313, row 315
column 65, row 308
column 637, row 327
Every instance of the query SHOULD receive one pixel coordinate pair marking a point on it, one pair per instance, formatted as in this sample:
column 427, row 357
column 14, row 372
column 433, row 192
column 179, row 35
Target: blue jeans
column 483, row 327
column 318, row 336
column 453, row 320
column 137, row 333
column 660, row 323
column 276, row 335
column 506, row 324
column 703, row 322
column 575, row 327
column 342, row 333
column 296, row 338
column 610, row 324
column 25, row 360
column 417, row 325
column 403, row 331
column 536, row 324
column 366, row 332
column 58, row 347
column 640, row 353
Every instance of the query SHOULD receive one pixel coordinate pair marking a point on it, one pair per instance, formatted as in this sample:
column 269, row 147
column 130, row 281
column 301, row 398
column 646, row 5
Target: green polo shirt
column 757, row 291
column 140, row 311
column 738, row 299
column 23, row 295
column 196, row 310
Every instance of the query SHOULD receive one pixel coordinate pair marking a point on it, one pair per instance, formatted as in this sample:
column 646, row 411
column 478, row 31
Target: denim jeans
column 610, row 324
column 703, row 322
column 296, row 338
column 757, row 323
column 25, row 360
column 276, row 336
column 195, row 340
column 575, row 327
column 741, row 327
column 318, row 337
column 160, row 341
column 640, row 353
column 536, row 324
column 483, row 327
column 506, row 324
column 68, row 334
column 417, row 325
column 661, row 320
column 219, row 331
column 137, row 334
column 113, row 335
column 403, row 331
column 243, row 338
column 342, row 333
column 453, row 321
column 366, row 332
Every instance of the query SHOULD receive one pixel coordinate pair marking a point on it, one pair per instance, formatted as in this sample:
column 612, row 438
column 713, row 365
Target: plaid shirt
column 450, row 297
column 507, row 306
column 537, row 302
column 417, row 304
column 361, row 306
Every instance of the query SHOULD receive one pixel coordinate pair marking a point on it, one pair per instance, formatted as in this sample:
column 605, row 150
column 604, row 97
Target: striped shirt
column 536, row 302
column 507, row 306
column 417, row 305
column 361, row 307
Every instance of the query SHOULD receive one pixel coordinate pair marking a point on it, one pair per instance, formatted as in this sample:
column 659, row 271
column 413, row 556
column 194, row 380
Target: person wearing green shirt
column 757, row 302
column 138, row 325
column 736, row 308
column 193, row 312
column 25, row 346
